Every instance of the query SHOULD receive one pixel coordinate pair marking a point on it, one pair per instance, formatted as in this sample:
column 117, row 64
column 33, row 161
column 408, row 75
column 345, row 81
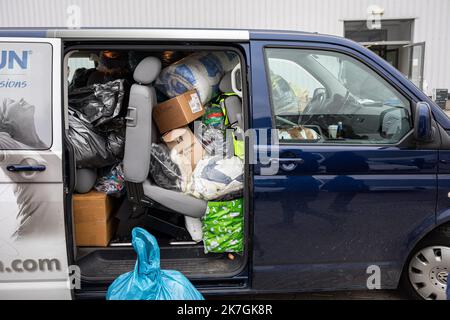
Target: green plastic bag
column 223, row 226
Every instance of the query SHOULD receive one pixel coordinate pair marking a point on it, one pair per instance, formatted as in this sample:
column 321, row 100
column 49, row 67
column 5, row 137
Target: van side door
column 33, row 254
column 351, row 189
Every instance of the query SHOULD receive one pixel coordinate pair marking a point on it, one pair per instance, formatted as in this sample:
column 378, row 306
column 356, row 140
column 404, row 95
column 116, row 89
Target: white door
column 33, row 255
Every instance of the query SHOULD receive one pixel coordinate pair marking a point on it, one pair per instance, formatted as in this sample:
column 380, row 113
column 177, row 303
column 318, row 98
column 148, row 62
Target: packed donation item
column 93, row 218
column 98, row 103
column 147, row 281
column 223, row 226
column 178, row 112
column 201, row 71
column 90, row 148
column 215, row 178
column 183, row 142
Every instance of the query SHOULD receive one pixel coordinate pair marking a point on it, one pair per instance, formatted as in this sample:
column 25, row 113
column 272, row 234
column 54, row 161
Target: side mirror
column 423, row 129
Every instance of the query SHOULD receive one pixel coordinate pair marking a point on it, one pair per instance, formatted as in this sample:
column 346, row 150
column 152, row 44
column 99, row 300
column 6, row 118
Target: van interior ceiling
column 156, row 138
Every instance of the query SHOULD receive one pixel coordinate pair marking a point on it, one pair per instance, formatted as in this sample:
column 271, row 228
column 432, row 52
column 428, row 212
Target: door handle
column 25, row 168
column 288, row 164
column 296, row 160
column 292, row 160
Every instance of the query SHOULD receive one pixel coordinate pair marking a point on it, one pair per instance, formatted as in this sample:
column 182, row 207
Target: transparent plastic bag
column 214, row 141
column 147, row 281
column 214, row 117
column 163, row 170
column 113, row 183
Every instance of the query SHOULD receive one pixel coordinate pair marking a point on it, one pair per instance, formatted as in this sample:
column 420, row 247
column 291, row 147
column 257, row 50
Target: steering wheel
column 314, row 106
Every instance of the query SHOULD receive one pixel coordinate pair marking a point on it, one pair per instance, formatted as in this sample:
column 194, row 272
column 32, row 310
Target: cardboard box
column 95, row 234
column 178, row 112
column 94, row 223
column 186, row 144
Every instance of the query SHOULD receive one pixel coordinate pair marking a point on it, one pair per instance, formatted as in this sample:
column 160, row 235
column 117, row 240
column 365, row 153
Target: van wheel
column 426, row 273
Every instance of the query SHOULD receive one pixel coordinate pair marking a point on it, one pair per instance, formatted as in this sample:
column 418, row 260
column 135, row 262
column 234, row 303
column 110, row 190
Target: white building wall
column 324, row 16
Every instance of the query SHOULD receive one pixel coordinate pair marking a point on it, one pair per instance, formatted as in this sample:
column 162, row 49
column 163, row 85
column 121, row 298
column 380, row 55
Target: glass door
column 416, row 63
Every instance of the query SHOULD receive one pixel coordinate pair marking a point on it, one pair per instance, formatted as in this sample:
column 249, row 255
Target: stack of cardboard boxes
column 172, row 117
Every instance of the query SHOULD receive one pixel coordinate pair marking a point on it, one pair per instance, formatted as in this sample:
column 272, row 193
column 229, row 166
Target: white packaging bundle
column 201, row 71
column 194, row 227
column 216, row 177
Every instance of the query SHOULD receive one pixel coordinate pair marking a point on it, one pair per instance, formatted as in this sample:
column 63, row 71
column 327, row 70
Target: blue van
column 346, row 180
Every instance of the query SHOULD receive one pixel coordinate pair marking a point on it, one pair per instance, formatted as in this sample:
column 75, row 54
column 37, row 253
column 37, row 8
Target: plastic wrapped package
column 223, row 226
column 89, row 147
column 113, row 183
column 194, row 227
column 98, row 103
column 216, row 177
column 201, row 71
column 185, row 167
column 214, row 141
column 163, row 170
column 147, row 281
column 214, row 117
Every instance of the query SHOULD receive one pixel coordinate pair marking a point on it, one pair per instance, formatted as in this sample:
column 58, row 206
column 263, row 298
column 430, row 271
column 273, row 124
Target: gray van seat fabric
column 138, row 138
column 225, row 83
column 147, row 70
column 233, row 105
column 140, row 134
column 136, row 161
column 176, row 201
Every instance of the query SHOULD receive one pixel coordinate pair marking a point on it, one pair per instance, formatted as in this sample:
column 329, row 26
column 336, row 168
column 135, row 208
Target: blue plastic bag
column 147, row 281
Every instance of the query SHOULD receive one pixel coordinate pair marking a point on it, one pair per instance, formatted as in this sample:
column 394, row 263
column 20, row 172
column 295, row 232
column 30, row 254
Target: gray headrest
column 225, row 83
column 147, row 70
column 85, row 180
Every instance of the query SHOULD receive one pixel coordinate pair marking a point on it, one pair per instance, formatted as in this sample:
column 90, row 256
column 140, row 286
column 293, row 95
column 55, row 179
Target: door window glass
column 25, row 96
column 328, row 97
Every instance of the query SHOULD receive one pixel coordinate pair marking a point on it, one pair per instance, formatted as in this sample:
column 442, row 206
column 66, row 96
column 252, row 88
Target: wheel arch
column 439, row 233
column 424, row 236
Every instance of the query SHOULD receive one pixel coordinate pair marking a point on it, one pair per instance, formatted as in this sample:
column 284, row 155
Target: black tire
column 439, row 238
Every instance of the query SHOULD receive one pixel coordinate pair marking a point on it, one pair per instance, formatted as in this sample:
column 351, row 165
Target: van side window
column 327, row 97
column 25, row 96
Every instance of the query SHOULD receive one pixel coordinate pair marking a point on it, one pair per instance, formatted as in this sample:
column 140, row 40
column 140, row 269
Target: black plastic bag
column 115, row 142
column 80, row 78
column 98, row 103
column 89, row 147
column 114, row 133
